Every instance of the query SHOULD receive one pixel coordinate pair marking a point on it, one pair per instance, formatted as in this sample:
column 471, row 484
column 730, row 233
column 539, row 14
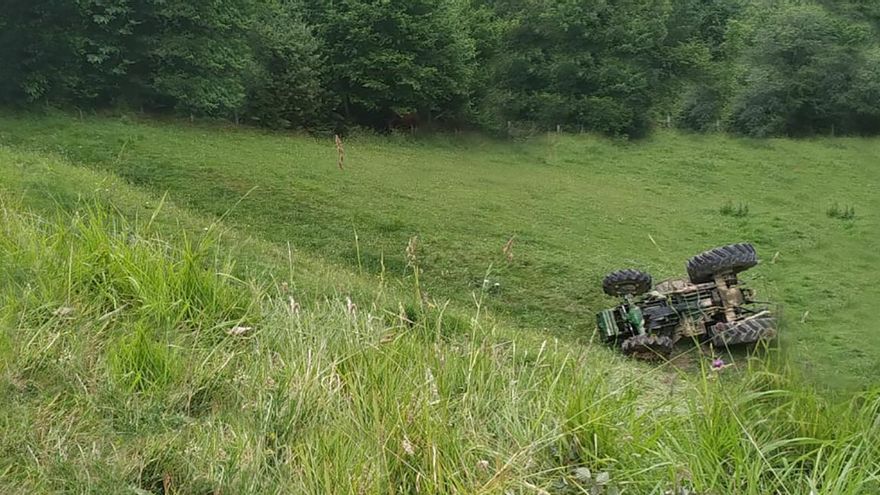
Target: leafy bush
column 700, row 109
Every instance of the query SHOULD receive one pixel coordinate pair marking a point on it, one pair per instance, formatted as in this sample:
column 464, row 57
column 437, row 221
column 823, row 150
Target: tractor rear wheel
column 626, row 283
column 733, row 258
column 744, row 331
column 648, row 347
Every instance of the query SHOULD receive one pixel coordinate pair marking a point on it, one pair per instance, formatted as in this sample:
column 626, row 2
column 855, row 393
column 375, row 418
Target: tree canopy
column 617, row 67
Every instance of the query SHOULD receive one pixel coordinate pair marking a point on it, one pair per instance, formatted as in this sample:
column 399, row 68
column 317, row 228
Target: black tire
column 733, row 258
column 744, row 332
column 648, row 347
column 627, row 282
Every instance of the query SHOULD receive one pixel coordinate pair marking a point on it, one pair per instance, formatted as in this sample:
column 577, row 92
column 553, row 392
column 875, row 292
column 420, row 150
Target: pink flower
column 717, row 364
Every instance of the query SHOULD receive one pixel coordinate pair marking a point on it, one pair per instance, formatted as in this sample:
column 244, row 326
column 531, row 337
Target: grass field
column 575, row 206
column 176, row 344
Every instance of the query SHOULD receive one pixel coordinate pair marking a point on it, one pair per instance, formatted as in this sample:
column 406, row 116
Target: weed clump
column 845, row 212
column 738, row 210
column 140, row 362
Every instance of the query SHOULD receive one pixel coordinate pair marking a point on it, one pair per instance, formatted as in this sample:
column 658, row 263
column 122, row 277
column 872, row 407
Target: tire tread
column 627, row 282
column 744, row 332
column 732, row 258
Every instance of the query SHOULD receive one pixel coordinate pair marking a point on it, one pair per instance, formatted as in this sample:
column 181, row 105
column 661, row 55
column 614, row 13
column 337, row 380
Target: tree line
column 755, row 67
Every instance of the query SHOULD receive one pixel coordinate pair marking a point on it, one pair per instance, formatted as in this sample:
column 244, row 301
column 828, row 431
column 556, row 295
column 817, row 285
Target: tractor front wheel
column 626, row 283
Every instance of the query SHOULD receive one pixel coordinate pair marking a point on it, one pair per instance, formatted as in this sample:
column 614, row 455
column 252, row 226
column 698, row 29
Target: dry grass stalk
column 508, row 249
column 340, row 151
column 411, row 251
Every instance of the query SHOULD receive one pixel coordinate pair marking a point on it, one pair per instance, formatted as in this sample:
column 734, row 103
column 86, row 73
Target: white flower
column 63, row 311
column 583, row 474
column 239, row 330
column 407, row 446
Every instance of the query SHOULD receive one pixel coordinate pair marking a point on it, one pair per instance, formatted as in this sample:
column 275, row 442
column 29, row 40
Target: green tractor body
column 711, row 305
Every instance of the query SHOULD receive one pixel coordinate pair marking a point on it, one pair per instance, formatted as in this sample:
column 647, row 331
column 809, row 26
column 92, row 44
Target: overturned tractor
column 711, row 305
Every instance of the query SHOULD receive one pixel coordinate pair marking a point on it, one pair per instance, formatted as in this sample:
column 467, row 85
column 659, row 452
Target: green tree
column 587, row 64
column 197, row 54
column 286, row 88
column 394, row 57
column 863, row 98
column 38, row 52
column 486, row 26
column 698, row 66
column 799, row 70
column 167, row 53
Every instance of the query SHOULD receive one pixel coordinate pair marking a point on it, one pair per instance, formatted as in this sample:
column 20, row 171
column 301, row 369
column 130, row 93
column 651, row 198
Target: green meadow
column 576, row 207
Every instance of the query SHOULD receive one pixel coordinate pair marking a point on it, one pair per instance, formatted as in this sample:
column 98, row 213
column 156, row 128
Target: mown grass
column 135, row 360
column 576, row 207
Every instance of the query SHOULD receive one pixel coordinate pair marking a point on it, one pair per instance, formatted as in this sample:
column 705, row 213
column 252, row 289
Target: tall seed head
column 508, row 250
column 340, row 152
column 411, row 251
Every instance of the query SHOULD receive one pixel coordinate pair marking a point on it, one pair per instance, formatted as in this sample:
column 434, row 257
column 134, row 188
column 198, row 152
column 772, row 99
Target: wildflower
column 239, row 330
column 64, row 311
column 432, row 386
column 718, row 364
column 583, row 474
column 407, row 446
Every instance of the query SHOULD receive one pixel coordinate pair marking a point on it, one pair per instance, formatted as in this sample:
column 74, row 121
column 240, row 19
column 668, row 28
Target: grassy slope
column 132, row 385
column 577, row 206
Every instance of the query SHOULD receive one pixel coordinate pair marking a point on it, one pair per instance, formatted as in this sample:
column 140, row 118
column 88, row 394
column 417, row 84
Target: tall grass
column 119, row 375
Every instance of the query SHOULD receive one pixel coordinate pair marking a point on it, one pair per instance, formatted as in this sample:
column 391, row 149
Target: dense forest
column 754, row 67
